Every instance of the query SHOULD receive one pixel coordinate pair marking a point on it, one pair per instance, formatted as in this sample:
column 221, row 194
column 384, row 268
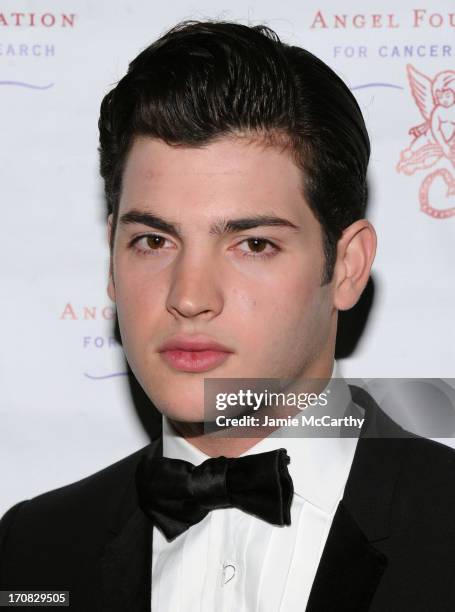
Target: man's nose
column 195, row 287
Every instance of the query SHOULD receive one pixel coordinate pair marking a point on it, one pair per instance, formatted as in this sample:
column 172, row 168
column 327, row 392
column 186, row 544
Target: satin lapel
column 126, row 568
column 126, row 561
column 351, row 566
column 349, row 571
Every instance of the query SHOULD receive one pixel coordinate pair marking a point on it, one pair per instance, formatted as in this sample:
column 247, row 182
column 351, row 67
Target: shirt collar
column 319, row 467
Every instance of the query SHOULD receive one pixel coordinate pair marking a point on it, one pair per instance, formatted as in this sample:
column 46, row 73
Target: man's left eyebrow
column 229, row 226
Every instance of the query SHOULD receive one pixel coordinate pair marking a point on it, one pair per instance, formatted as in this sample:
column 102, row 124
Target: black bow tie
column 175, row 494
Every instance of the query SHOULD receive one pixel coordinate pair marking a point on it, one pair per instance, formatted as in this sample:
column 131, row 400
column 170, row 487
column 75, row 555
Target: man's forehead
column 223, row 179
column 228, row 155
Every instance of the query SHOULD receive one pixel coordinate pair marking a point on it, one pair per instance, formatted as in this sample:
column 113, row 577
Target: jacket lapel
column 125, row 566
column 352, row 565
column 350, row 568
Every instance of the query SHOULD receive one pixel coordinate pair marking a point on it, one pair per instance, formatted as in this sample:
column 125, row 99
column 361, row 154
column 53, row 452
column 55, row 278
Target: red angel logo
column 433, row 141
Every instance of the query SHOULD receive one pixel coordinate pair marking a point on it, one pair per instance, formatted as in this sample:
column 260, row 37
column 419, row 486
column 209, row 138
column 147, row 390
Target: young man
column 235, row 174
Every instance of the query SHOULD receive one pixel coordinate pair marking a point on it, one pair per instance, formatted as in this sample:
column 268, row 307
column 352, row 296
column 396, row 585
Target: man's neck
column 214, row 444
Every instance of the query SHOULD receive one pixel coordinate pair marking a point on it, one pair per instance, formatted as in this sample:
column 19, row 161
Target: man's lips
column 194, row 361
column 194, row 354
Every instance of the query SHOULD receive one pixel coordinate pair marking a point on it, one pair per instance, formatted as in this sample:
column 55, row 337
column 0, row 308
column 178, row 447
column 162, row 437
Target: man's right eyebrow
column 151, row 220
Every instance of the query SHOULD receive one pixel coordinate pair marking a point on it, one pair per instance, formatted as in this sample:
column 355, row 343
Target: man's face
column 255, row 290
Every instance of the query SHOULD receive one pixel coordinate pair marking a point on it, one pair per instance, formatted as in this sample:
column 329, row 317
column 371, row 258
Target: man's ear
column 110, row 284
column 355, row 254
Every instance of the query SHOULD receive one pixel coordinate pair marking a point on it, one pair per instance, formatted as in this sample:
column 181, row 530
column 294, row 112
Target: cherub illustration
column 435, row 138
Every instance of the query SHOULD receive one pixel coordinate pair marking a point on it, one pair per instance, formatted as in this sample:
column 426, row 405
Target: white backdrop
column 65, row 409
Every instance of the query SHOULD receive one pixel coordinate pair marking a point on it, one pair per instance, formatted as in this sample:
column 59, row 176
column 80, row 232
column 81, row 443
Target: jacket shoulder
column 61, row 529
column 99, row 487
column 424, row 497
column 430, row 465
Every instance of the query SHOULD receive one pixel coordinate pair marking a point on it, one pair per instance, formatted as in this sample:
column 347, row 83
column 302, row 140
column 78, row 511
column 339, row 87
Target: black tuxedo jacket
column 391, row 547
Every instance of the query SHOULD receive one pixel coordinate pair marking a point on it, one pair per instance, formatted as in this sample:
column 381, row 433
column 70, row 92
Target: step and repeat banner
column 66, row 407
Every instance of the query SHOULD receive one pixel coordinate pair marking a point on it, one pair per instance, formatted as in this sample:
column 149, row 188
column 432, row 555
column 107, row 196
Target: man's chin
column 182, row 414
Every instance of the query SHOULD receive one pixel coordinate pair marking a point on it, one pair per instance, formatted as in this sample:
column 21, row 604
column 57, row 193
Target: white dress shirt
column 234, row 562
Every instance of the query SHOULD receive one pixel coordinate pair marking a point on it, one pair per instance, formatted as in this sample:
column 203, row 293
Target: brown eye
column 257, row 244
column 155, row 242
column 256, row 248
